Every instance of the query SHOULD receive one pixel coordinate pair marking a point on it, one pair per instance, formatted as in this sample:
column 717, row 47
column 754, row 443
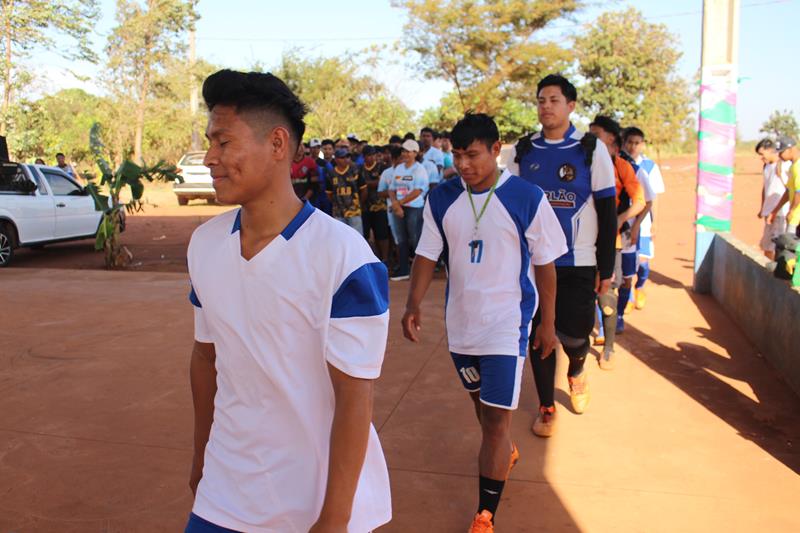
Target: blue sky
column 239, row 33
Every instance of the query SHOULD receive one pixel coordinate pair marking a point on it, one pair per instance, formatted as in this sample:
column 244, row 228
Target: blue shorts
column 497, row 377
column 201, row 525
column 646, row 247
column 629, row 264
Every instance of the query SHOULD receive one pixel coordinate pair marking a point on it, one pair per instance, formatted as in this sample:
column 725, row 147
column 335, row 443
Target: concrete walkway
column 692, row 431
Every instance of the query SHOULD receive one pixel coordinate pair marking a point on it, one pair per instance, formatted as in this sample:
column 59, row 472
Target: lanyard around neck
column 477, row 215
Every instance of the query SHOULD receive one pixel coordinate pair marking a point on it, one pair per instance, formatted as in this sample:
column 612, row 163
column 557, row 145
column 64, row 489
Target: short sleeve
column 630, row 183
column 431, row 243
column 359, row 322
column 603, row 180
column 546, row 241
column 383, row 184
column 656, row 179
column 202, row 332
column 513, row 166
column 421, row 178
column 362, row 181
column 644, row 180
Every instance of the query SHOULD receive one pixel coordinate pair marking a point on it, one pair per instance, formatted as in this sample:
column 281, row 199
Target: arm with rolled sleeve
column 358, row 329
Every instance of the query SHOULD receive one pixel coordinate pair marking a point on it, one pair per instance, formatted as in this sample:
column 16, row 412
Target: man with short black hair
column 577, row 176
column 789, row 153
column 374, row 215
column 61, row 162
column 282, row 394
column 774, row 187
column 346, row 190
column 633, row 140
column 499, row 237
column 432, row 154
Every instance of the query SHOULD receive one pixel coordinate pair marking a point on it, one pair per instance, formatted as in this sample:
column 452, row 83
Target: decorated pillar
column 716, row 138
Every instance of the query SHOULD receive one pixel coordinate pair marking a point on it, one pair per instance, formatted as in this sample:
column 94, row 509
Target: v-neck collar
column 288, row 232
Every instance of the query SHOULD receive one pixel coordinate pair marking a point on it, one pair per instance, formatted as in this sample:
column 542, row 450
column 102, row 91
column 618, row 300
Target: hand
column 771, row 218
column 545, row 338
column 398, row 210
column 412, row 323
column 601, row 286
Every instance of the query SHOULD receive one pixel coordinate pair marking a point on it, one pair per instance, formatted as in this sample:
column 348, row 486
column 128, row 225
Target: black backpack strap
column 588, row 144
column 522, row 147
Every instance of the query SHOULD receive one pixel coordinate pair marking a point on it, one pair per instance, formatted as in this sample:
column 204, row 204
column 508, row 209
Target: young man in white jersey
column 499, row 237
column 774, row 186
column 633, row 143
column 286, row 349
column 577, row 175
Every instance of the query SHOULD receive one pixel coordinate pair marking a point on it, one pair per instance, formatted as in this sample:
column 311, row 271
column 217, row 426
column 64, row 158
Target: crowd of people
column 537, row 250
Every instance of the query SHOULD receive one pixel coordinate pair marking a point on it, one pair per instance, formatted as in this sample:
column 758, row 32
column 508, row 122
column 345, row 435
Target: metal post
column 716, row 139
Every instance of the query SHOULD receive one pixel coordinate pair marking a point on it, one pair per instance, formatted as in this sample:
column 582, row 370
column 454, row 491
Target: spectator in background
column 407, row 192
column 61, row 162
column 774, row 187
column 789, row 153
column 346, row 190
column 396, row 140
column 305, row 177
column 409, row 136
column 448, row 170
column 39, row 161
column 374, row 215
column 314, row 147
column 327, row 148
column 392, row 158
column 355, row 149
column 432, row 154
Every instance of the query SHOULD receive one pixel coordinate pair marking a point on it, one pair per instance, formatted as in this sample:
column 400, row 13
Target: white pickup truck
column 41, row 205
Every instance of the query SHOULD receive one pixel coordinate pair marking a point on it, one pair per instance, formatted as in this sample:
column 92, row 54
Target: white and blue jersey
column 559, row 168
column 435, row 156
column 277, row 320
column 491, row 289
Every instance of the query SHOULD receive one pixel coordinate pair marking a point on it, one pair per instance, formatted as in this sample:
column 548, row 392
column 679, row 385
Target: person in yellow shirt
column 788, row 151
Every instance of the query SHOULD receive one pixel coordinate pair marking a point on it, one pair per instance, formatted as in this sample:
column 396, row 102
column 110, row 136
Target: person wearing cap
column 407, row 192
column 355, row 149
column 346, row 190
column 776, row 175
column 374, row 215
column 788, row 151
column 314, row 147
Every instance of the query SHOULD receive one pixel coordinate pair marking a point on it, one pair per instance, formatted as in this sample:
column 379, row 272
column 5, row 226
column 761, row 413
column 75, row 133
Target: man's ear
column 280, row 144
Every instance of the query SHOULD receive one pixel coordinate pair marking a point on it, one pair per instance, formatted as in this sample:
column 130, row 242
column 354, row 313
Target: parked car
column 40, row 205
column 197, row 181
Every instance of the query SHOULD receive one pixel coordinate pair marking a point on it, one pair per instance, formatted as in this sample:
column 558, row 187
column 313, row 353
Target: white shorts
column 771, row 231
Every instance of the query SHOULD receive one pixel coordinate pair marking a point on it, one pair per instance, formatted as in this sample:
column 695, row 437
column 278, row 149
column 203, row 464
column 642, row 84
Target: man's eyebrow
column 215, row 132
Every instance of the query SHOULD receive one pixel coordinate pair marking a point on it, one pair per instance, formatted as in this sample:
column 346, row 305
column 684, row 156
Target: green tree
column 29, row 24
column 630, row 70
column 781, row 123
column 340, row 100
column 145, row 39
column 489, row 49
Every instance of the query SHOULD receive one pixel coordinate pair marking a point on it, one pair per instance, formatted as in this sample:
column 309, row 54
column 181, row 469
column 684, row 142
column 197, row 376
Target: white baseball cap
column 313, row 143
column 410, row 145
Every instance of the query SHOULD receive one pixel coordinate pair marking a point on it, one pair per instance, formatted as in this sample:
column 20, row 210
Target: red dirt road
column 692, row 432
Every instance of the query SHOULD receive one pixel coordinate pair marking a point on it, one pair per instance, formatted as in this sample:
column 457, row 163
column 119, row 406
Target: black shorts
column 575, row 301
column 378, row 222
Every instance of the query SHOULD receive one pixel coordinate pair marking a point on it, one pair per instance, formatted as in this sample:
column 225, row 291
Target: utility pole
column 193, row 91
column 716, row 138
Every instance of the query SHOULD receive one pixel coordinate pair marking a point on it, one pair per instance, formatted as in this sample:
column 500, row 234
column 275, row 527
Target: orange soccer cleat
column 482, row 523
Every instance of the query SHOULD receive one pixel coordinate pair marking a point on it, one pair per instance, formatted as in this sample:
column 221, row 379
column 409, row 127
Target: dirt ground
column 692, row 431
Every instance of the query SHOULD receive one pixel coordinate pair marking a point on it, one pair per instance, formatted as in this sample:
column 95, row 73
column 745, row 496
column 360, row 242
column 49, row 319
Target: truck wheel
column 182, row 200
column 6, row 245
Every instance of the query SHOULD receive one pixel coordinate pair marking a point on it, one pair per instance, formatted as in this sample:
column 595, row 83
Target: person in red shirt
column 305, row 178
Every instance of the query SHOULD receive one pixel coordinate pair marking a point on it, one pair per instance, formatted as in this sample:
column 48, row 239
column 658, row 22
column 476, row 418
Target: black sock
column 490, row 492
column 575, row 366
column 544, row 374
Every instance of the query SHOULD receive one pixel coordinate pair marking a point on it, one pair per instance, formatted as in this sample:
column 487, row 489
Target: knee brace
column 608, row 303
column 574, row 348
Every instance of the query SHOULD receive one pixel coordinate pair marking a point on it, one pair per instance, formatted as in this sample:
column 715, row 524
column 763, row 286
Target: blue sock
column 624, row 296
column 599, row 313
column 642, row 274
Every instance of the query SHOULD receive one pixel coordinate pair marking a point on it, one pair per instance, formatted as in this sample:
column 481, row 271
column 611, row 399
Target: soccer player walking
column 577, row 176
column 286, row 347
column 499, row 237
